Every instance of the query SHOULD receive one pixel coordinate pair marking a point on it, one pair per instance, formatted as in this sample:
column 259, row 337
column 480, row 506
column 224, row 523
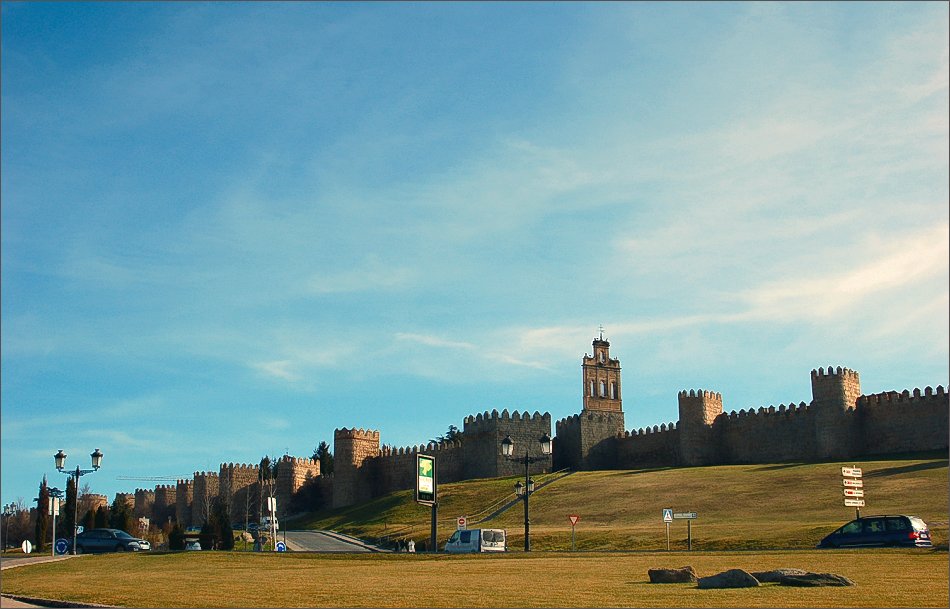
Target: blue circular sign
column 281, row 547
column 62, row 546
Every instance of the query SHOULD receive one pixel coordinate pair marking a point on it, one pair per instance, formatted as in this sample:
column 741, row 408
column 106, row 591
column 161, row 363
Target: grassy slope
column 785, row 505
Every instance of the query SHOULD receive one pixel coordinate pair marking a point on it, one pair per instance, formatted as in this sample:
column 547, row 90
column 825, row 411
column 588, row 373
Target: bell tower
column 601, row 375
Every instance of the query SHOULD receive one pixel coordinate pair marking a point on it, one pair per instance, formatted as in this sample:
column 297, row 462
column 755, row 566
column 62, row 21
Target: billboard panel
column 425, row 479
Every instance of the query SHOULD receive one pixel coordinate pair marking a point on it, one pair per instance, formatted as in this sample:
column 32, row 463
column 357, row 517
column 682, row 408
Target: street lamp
column 60, row 458
column 525, row 490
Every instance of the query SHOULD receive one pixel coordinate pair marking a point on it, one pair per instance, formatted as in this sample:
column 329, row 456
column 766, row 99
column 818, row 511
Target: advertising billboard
column 425, row 479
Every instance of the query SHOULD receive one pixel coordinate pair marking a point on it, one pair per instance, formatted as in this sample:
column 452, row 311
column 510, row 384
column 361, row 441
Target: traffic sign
column 27, row 546
column 851, row 472
column 462, row 523
column 574, row 519
column 667, row 515
column 62, row 546
column 852, row 483
column 853, row 492
column 80, row 529
column 689, row 515
column 281, row 547
column 854, row 502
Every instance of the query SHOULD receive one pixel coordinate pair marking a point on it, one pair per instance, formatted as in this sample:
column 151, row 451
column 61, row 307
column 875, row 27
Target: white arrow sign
column 853, row 492
column 852, row 483
column 854, row 502
column 853, row 472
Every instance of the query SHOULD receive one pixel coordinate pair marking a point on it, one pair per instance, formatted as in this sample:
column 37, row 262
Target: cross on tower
column 601, row 331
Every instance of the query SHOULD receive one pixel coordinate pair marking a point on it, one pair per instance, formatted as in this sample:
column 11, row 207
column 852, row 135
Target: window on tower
column 603, row 389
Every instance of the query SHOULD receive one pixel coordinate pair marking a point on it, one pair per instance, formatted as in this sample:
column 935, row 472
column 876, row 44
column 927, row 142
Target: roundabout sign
column 62, row 546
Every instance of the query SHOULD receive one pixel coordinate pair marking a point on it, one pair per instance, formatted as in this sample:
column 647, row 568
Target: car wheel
column 120, row 548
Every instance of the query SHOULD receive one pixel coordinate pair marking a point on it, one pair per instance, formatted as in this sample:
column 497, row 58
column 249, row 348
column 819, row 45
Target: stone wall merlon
column 839, row 371
column 893, row 397
column 700, row 393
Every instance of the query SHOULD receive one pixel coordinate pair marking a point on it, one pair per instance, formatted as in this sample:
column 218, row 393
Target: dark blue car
column 880, row 531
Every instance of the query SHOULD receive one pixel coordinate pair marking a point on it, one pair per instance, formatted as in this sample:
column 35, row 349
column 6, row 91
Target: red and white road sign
column 574, row 519
column 852, row 483
column 853, row 492
column 462, row 522
column 851, row 472
column 854, row 502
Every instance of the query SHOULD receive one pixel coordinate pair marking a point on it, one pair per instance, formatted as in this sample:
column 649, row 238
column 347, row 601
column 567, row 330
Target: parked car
column 476, row 540
column 192, row 545
column 109, row 540
column 877, row 531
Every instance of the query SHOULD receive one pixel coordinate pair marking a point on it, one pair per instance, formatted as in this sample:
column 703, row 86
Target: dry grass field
column 740, row 507
column 884, row 578
column 754, row 517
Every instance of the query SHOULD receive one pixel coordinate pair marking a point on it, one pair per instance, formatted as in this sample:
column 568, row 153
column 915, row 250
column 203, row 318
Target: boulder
column 767, row 577
column 815, row 579
column 673, row 576
column 733, row 578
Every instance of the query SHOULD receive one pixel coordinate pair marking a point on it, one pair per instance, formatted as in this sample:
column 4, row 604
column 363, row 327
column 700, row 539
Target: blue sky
column 228, row 229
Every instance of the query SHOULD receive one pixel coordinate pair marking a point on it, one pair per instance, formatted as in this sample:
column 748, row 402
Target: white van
column 477, row 540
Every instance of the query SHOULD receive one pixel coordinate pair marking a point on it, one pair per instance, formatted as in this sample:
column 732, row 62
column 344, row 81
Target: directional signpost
column 689, row 517
column 574, row 518
column 851, row 479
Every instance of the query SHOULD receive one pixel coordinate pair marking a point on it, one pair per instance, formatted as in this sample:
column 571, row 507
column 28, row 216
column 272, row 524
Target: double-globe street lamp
column 524, row 491
column 60, row 458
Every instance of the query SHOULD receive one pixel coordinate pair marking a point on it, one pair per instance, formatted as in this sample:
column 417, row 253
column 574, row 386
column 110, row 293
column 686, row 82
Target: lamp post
column 60, row 458
column 54, row 496
column 524, row 491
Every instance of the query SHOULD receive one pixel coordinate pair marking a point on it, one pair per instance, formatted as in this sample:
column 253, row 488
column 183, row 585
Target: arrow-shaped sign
column 854, row 502
column 853, row 492
column 852, row 472
column 852, row 483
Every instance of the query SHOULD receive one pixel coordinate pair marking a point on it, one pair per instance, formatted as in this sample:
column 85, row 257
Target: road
column 324, row 541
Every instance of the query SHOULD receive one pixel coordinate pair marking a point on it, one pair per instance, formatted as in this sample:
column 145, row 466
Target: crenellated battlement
column 185, row 482
column 782, row 409
column 300, row 461
column 893, row 398
column 356, row 434
column 835, row 372
column 206, row 475
column 392, row 451
column 646, row 431
column 700, row 393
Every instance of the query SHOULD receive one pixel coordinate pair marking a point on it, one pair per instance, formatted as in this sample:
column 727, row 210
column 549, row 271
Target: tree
column 41, row 528
column 176, row 538
column 322, row 454
column 88, row 520
column 68, row 512
column 120, row 516
column 102, row 517
column 452, row 435
column 221, row 524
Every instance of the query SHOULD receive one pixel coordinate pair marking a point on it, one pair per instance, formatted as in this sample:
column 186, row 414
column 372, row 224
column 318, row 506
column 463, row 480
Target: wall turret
column 834, row 393
column 351, row 449
column 698, row 410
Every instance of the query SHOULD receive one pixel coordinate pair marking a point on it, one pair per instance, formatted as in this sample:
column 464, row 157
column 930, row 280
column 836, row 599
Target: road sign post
column 574, row 518
column 689, row 517
column 462, row 523
column 851, row 479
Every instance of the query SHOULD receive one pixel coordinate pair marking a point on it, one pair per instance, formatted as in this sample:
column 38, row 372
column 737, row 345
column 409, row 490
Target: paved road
column 325, row 541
